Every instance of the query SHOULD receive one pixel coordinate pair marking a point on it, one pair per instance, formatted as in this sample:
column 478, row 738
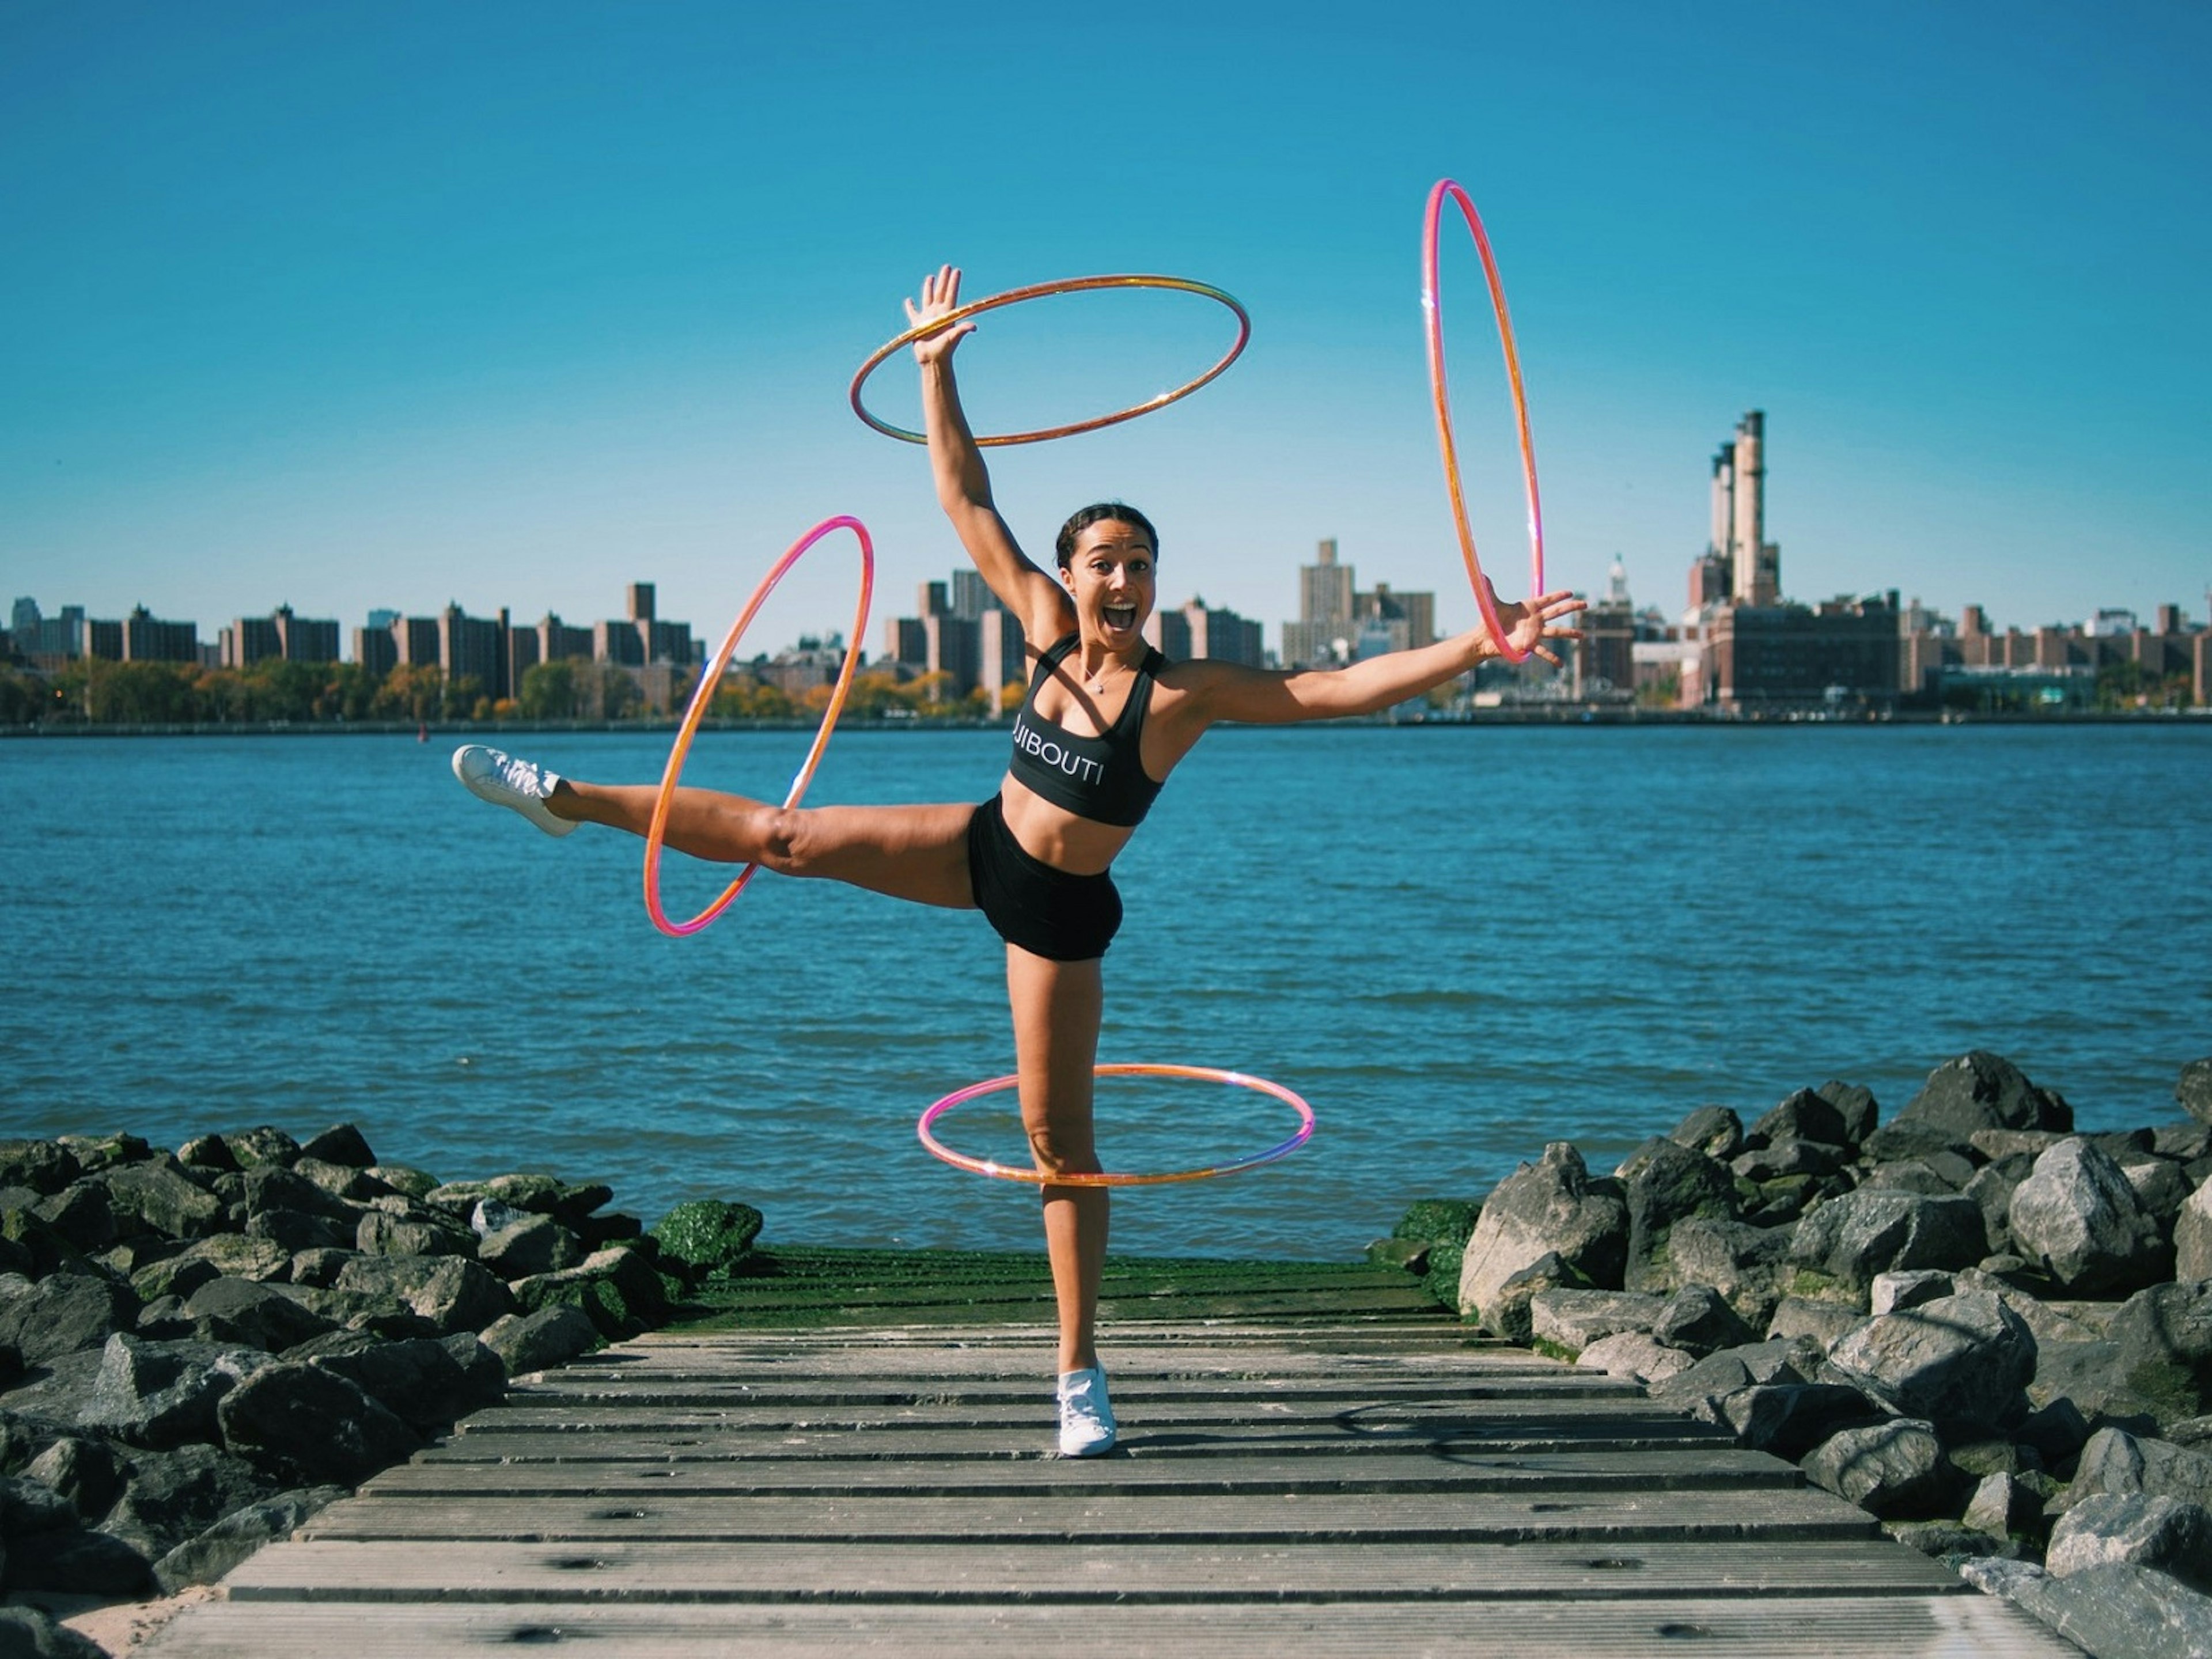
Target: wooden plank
column 1385, row 1470
column 1770, row 1515
column 1123, row 1363
column 1126, row 1574
column 1872, row 1628
column 924, row 1390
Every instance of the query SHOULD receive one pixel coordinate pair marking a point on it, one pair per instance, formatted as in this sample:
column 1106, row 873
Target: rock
column 59, row 1388
column 295, row 1230
column 1429, row 1220
column 706, row 1238
column 80, row 1214
column 2184, row 1141
column 1440, row 1278
column 1891, row 1469
column 1715, row 1131
column 1699, row 1388
column 2115, row 1464
column 65, row 1313
column 617, row 1287
column 95, row 1153
column 2160, row 1187
column 2193, row 1089
column 2121, row 1612
column 532, row 1244
column 2055, row 1433
column 1962, row 1359
column 2000, row 1145
column 1991, row 1186
column 231, row 1256
column 1410, row 1253
column 1746, row 1264
column 28, row 1507
column 417, row 1380
column 2078, row 1216
column 341, row 1181
column 452, row 1293
column 1779, row 1160
column 168, row 1496
column 307, row 1418
column 483, row 1378
column 44, row 1166
column 342, row 1143
column 81, row 1471
column 262, row 1146
column 2134, row 1529
column 1894, row 1293
column 1903, row 1139
column 543, row 1193
column 1946, row 1539
column 1551, row 1206
column 319, row 1268
column 1854, row 1237
column 2192, row 1236
column 273, row 1186
column 383, row 1234
column 1914, row 1175
column 204, row 1559
column 27, row 1632
column 2002, row 1506
column 1823, row 1323
column 207, row 1153
column 1805, row 1115
column 1982, row 1090
column 415, row 1183
column 1698, row 1321
column 1665, row 1184
column 159, row 1197
column 240, row 1310
column 1510, row 1314
column 78, row 1563
column 1791, row 1419
column 157, row 1395
column 1570, row 1320
column 1856, row 1104
column 1634, row 1355
column 2164, row 1339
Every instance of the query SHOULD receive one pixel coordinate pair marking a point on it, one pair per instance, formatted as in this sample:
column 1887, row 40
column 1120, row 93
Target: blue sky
column 358, row 306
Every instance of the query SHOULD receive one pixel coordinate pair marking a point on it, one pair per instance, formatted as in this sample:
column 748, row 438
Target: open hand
column 940, row 294
column 1528, row 626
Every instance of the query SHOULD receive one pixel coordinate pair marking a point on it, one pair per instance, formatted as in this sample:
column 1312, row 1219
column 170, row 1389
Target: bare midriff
column 1053, row 835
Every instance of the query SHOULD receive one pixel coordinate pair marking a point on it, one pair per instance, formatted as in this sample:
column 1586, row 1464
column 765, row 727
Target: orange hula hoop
column 704, row 695
column 1432, row 310
column 1038, row 291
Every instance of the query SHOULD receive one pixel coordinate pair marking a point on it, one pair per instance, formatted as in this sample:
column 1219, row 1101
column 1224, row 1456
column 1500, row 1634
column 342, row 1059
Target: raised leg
column 918, row 852
column 1057, row 1006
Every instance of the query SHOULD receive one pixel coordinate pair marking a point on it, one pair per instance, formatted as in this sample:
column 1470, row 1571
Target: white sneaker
column 522, row 786
column 1086, row 1418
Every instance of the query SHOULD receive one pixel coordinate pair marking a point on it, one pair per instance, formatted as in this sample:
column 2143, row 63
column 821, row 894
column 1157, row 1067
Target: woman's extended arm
column 963, row 484
column 1226, row 691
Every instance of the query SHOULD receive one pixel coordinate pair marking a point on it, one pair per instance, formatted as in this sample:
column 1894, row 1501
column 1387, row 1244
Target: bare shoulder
column 1202, row 689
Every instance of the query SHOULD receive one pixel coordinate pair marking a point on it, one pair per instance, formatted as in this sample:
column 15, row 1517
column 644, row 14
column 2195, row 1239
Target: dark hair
column 1099, row 512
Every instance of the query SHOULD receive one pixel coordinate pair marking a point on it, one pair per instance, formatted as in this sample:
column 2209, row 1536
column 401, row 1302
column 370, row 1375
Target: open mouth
column 1121, row 618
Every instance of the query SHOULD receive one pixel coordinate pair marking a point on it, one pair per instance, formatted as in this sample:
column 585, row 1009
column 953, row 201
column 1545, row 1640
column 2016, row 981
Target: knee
column 1058, row 1151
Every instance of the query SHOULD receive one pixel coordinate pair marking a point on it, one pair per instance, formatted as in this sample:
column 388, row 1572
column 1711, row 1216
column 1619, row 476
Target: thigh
column 1057, row 1006
column 918, row 852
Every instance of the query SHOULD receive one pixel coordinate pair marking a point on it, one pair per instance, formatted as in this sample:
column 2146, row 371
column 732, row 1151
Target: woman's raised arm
column 963, row 484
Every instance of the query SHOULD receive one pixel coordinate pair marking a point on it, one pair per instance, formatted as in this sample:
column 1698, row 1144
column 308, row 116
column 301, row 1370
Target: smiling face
column 1110, row 575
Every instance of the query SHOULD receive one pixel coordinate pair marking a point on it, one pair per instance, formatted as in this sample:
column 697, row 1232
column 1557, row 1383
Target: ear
column 1067, row 577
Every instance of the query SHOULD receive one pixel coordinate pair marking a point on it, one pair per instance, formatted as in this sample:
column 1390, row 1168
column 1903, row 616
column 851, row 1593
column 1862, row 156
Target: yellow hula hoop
column 1037, row 291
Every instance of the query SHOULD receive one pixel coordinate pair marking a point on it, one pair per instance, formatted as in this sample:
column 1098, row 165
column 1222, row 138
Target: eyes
column 1104, row 569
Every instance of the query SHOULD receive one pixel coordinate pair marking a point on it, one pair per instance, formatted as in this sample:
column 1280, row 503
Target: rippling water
column 1456, row 942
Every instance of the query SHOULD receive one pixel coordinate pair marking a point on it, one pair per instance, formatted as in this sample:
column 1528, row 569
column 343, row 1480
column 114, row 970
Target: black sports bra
column 1099, row 778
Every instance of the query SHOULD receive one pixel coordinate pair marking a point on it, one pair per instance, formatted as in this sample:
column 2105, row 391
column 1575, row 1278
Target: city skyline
column 338, row 306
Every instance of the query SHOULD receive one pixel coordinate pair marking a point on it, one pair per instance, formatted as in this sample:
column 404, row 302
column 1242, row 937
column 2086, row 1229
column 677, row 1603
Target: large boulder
column 532, row 1244
column 1571, row 1320
column 256, row 1314
column 2110, row 1610
column 2162, row 1338
column 1634, row 1355
column 1805, row 1115
column 1551, row 1206
column 1965, row 1358
column 341, row 1144
column 209, row 1555
column 2078, row 1216
column 1791, row 1419
column 2117, row 1463
column 2133, row 1530
column 1893, row 1468
column 535, row 1342
column 1715, row 1131
column 618, row 1288
column 449, row 1291
column 163, row 1394
column 708, row 1237
column 419, row 1382
column 158, row 1197
column 170, row 1495
column 64, row 1313
column 1698, row 1320
column 43, row 1166
column 2193, row 1089
column 380, row 1233
column 306, row 1418
column 1852, row 1238
column 2192, row 1236
column 1855, row 1102
column 1512, row 1310
column 82, row 1471
column 1746, row 1264
column 1982, row 1090
column 1666, row 1183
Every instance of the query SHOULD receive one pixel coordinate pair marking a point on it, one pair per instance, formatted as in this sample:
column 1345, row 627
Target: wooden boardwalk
column 1315, row 1460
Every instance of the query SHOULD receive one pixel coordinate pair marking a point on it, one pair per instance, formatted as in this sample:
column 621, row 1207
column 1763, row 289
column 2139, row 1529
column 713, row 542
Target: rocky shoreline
column 199, row 1349
column 1991, row 1332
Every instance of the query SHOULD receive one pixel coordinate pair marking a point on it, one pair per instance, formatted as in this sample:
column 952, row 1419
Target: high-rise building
column 145, row 638
column 1325, row 612
column 1213, row 632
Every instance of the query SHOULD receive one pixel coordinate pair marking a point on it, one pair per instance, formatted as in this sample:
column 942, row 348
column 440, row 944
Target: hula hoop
column 1432, row 311
column 705, row 695
column 1037, row 291
column 1039, row 1178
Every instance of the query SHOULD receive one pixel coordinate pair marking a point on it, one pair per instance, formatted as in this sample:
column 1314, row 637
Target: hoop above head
column 1038, row 291
column 711, row 680
column 1432, row 310
column 1039, row 1178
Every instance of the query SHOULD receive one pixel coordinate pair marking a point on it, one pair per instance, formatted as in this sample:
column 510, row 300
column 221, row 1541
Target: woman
column 1106, row 720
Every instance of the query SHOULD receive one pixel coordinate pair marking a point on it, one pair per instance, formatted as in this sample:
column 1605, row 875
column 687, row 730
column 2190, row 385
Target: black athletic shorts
column 1047, row 912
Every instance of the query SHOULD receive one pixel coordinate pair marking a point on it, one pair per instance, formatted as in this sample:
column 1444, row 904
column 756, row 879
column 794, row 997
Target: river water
column 1457, row 942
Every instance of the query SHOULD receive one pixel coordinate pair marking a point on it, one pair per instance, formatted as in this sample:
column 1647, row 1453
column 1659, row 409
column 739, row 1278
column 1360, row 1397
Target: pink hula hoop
column 1432, row 309
column 1039, row 1178
column 709, row 681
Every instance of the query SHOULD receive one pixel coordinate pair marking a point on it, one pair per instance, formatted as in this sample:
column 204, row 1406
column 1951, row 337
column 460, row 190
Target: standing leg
column 1057, row 1006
